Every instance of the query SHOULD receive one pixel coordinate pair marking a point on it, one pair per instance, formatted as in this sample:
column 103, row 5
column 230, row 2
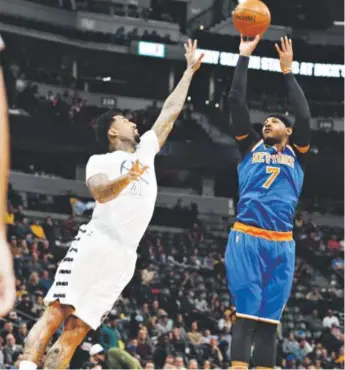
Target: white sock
column 27, row 365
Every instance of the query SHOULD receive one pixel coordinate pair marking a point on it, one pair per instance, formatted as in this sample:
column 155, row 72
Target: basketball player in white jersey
column 7, row 281
column 101, row 260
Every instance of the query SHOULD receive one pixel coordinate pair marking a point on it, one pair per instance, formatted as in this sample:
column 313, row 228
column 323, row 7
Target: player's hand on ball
column 285, row 53
column 136, row 171
column 193, row 63
column 248, row 46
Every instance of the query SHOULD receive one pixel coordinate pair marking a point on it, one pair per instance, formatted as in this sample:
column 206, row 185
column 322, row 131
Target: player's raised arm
column 301, row 129
column 244, row 133
column 103, row 190
column 174, row 103
column 7, row 281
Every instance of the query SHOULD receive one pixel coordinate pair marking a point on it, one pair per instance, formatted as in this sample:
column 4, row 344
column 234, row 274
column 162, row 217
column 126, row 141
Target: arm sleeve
column 244, row 133
column 301, row 130
column 149, row 144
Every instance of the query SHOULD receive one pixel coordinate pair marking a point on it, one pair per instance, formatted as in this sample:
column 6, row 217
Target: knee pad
column 265, row 351
column 242, row 334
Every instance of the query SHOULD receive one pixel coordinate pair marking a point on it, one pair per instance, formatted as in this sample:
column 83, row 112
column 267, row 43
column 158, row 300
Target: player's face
column 274, row 131
column 125, row 130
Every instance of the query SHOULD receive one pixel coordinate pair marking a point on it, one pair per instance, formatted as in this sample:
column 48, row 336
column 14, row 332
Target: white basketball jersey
column 127, row 217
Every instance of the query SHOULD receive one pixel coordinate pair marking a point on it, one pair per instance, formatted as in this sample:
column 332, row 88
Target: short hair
column 103, row 123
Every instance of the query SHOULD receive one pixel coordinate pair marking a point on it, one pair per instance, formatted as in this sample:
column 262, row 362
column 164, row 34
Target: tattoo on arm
column 103, row 190
column 172, row 108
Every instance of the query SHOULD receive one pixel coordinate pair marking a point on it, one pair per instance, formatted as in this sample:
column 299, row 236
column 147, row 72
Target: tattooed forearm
column 172, row 108
column 104, row 190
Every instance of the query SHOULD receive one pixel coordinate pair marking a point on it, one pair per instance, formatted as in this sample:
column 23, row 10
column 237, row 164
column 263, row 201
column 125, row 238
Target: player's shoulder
column 149, row 143
column 104, row 160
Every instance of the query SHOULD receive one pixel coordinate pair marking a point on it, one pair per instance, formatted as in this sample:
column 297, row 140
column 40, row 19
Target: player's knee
column 74, row 332
column 52, row 318
column 242, row 334
column 264, row 355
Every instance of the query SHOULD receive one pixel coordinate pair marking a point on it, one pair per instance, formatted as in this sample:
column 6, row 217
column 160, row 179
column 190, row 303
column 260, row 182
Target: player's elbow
column 98, row 195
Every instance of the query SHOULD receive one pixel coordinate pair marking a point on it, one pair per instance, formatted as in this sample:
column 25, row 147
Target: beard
column 270, row 141
column 137, row 138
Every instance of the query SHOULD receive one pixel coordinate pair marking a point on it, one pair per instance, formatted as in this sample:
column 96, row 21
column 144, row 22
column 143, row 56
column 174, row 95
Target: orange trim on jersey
column 279, row 236
column 256, row 145
column 302, row 149
column 242, row 137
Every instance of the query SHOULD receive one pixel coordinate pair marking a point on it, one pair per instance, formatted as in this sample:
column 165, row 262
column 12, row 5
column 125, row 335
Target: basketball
column 251, row 18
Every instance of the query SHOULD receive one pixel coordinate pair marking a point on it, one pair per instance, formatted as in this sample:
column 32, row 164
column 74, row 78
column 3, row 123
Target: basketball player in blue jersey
column 260, row 255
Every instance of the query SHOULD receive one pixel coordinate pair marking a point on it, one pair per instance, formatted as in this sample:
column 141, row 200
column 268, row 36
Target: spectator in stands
column 163, row 348
column 37, row 230
column 22, row 333
column 290, row 344
column 45, row 282
column 303, row 349
column 314, row 295
column 193, row 365
column 144, row 348
column 164, row 324
column 8, row 329
column 194, row 335
column 179, row 363
column 25, row 305
column 314, row 322
column 338, row 264
column 333, row 243
column 330, row 319
column 177, row 341
column 214, row 353
column 38, row 305
column 11, row 349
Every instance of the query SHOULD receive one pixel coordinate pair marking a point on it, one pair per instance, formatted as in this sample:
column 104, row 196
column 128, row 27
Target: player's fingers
column 290, row 44
column 189, row 44
column 185, row 48
column 257, row 39
column 143, row 169
column 200, row 58
column 195, row 46
column 242, row 38
column 278, row 49
column 135, row 166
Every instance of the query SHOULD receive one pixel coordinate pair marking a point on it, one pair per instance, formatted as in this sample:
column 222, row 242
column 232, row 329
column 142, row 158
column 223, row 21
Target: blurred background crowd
column 66, row 62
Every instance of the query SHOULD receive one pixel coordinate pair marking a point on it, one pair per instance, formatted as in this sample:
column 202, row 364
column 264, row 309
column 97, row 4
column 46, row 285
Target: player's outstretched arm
column 103, row 190
column 174, row 103
column 300, row 106
column 244, row 133
column 7, row 281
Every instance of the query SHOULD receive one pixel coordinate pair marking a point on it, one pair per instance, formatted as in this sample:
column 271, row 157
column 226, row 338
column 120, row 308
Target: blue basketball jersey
column 270, row 183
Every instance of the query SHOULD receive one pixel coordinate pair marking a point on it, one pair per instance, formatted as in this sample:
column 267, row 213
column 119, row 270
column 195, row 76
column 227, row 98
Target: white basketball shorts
column 93, row 274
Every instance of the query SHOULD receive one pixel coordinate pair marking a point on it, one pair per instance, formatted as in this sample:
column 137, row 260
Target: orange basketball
column 251, row 18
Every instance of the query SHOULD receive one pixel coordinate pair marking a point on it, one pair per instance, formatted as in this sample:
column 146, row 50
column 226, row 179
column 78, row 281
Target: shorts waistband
column 280, row 236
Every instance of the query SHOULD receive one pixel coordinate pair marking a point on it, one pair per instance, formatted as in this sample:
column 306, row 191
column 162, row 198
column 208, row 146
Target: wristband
column 286, row 71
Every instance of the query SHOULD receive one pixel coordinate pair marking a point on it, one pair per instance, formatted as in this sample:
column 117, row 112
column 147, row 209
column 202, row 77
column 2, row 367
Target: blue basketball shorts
column 260, row 274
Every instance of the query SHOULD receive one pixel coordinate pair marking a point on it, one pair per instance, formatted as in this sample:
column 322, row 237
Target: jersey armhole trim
column 242, row 137
column 302, row 149
column 256, row 145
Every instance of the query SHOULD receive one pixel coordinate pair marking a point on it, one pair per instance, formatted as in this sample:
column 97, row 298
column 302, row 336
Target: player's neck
column 124, row 146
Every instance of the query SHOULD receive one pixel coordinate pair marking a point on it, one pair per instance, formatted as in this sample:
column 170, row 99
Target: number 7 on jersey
column 273, row 172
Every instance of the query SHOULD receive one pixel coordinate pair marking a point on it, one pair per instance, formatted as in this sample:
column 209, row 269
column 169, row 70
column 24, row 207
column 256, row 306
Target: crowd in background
column 176, row 313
